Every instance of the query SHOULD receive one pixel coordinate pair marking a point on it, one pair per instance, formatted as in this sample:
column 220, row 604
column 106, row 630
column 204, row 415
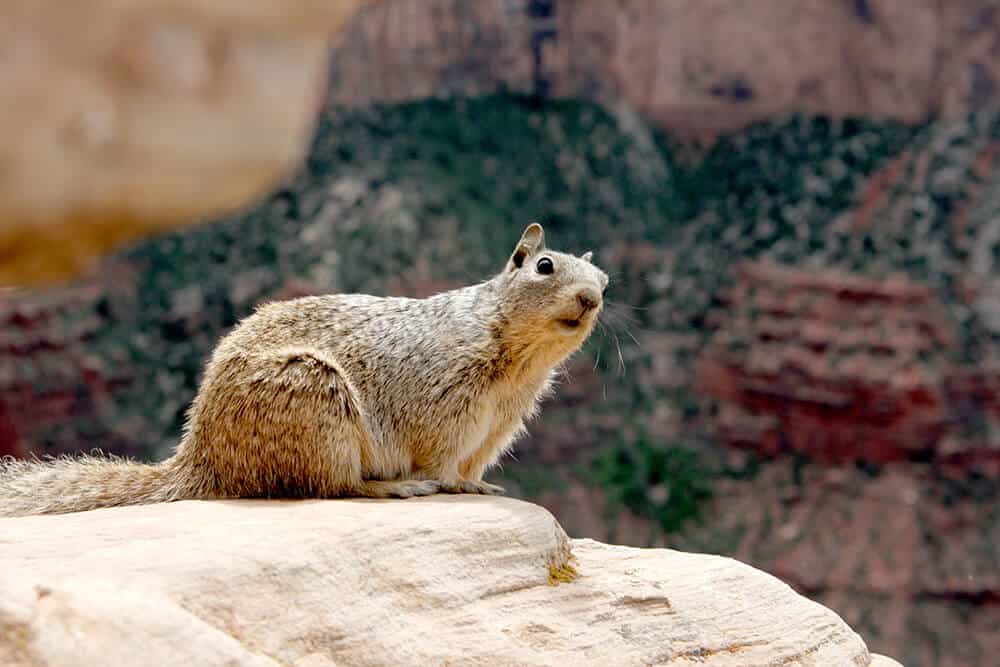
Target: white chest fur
column 479, row 429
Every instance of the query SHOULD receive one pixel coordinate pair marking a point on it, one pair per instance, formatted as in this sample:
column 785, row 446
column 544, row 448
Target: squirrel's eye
column 545, row 266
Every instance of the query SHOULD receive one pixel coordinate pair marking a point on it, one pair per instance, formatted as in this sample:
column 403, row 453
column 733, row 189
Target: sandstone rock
column 440, row 580
column 129, row 117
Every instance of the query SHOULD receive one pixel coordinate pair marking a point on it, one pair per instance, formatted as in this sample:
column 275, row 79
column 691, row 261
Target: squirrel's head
column 551, row 295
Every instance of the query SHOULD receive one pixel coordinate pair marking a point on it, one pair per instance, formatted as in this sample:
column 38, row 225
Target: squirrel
column 354, row 395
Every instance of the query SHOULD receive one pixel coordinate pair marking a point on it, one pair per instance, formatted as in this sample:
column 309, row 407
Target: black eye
column 545, row 266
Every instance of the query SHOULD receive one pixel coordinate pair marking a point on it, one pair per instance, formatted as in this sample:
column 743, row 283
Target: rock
column 439, row 580
column 145, row 115
column 50, row 375
column 834, row 365
column 696, row 67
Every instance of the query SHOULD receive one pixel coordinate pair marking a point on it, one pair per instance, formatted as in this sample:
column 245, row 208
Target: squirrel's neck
column 514, row 356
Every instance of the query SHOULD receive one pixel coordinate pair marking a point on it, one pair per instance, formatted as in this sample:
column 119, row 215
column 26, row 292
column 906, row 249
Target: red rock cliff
column 694, row 66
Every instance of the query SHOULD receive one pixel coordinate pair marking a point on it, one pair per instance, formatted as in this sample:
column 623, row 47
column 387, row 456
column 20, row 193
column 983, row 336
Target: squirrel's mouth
column 584, row 317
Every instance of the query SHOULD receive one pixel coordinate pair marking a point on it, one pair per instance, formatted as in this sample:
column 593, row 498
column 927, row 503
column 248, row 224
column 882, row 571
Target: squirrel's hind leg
column 342, row 431
column 286, row 423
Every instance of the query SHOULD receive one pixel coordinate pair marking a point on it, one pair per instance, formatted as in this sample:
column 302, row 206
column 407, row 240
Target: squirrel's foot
column 406, row 488
column 472, row 486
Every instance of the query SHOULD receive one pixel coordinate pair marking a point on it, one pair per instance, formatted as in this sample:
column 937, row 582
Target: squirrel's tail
column 64, row 485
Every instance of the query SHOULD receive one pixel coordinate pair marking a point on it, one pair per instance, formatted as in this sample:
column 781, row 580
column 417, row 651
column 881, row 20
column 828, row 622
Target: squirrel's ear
column 587, row 256
column 532, row 240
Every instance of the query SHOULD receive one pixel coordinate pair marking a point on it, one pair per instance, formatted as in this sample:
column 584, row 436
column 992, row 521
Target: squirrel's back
column 385, row 340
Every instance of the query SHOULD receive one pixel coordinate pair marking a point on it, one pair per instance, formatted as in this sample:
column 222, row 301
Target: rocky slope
column 441, row 580
column 842, row 368
column 696, row 67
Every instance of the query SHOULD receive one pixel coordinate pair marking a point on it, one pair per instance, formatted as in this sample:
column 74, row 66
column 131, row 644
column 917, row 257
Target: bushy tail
column 64, row 485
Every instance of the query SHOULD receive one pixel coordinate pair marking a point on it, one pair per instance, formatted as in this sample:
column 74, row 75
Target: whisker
column 622, row 304
column 597, row 360
column 634, row 339
column 621, row 359
column 625, row 321
column 622, row 311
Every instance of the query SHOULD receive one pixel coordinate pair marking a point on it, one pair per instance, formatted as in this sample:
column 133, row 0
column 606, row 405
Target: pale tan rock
column 124, row 117
column 440, row 580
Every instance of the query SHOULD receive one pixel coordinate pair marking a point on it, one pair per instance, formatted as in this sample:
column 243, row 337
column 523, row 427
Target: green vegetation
column 667, row 484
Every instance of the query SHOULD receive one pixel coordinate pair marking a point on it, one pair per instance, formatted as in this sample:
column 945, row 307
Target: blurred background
column 798, row 202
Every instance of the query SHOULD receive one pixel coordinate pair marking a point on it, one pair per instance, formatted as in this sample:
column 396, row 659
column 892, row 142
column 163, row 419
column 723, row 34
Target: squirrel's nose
column 588, row 299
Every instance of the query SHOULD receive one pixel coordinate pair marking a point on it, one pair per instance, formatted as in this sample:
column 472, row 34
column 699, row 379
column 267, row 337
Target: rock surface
column 145, row 115
column 440, row 580
column 830, row 364
column 842, row 367
column 694, row 66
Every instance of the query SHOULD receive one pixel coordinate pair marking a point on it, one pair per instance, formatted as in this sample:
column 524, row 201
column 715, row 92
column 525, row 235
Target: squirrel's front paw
column 472, row 486
column 414, row 487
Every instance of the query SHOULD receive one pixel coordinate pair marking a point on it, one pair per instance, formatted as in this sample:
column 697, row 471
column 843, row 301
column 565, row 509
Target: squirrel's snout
column 588, row 299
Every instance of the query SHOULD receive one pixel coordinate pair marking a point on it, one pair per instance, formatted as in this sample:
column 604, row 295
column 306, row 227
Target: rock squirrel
column 354, row 395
